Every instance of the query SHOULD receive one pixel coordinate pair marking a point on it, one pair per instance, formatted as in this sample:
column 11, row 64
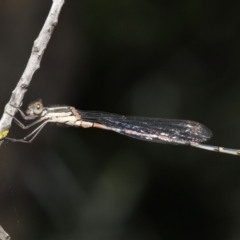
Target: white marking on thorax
column 69, row 120
column 58, row 114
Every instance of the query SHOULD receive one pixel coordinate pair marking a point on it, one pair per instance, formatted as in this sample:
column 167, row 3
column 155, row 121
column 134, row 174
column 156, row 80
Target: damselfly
column 158, row 130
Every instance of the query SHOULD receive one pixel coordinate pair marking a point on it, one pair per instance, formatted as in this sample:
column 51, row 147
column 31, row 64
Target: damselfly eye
column 38, row 108
column 35, row 108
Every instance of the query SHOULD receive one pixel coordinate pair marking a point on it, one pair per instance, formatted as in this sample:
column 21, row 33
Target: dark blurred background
column 165, row 59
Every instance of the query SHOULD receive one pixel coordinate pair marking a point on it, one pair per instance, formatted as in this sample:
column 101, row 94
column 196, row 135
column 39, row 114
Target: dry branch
column 4, row 235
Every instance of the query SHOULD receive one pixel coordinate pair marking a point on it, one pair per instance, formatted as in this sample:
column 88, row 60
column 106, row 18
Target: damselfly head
column 35, row 108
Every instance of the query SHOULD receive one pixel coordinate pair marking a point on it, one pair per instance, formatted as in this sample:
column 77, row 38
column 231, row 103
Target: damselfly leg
column 20, row 124
column 33, row 135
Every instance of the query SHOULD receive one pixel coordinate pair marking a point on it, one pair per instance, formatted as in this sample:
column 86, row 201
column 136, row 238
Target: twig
column 33, row 64
column 3, row 234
